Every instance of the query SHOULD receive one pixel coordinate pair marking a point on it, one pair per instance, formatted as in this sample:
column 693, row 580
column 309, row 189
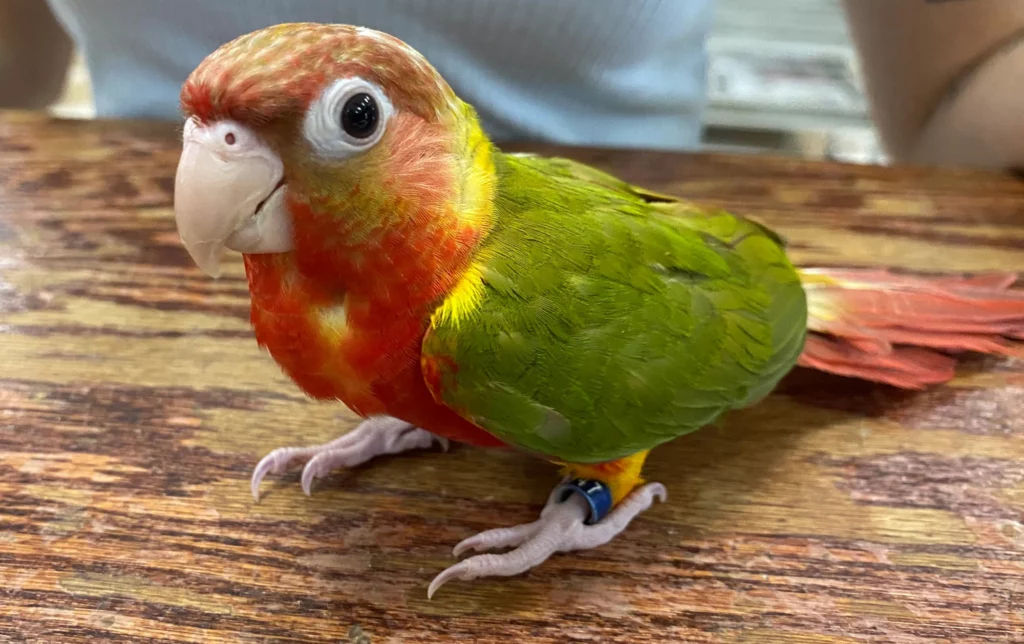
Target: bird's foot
column 576, row 517
column 373, row 437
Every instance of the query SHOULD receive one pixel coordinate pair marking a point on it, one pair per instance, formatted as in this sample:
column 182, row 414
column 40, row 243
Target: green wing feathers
column 613, row 319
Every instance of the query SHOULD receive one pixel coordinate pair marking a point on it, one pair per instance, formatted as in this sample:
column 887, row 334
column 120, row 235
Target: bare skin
column 944, row 78
column 34, row 55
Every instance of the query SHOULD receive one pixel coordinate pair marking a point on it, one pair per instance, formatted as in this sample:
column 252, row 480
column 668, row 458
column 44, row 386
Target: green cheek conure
column 400, row 263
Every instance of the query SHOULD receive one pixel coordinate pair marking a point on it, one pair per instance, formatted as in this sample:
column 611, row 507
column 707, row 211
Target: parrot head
column 338, row 143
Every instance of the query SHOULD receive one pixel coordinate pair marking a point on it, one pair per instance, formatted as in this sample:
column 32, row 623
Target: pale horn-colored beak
column 229, row 193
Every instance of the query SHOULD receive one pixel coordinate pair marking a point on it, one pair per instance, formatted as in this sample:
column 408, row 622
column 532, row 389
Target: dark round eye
column 359, row 116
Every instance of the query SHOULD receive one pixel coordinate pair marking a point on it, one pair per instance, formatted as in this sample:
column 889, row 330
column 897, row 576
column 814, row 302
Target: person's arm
column 945, row 78
column 34, row 55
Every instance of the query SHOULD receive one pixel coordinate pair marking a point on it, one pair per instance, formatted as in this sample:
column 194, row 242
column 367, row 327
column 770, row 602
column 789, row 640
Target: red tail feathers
column 904, row 330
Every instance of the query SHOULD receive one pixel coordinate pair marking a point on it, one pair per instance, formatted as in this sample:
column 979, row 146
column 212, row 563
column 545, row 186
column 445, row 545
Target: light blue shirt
column 609, row 73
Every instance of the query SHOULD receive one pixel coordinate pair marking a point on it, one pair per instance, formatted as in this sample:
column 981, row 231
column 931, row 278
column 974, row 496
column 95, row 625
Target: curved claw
column 659, row 492
column 323, row 462
column 309, row 473
column 460, row 570
column 272, row 463
column 504, row 565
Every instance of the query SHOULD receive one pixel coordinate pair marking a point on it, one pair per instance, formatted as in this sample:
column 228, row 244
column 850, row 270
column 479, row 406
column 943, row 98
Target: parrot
column 399, row 263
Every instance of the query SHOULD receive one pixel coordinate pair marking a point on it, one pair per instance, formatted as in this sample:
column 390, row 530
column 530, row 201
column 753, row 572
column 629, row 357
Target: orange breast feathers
column 333, row 354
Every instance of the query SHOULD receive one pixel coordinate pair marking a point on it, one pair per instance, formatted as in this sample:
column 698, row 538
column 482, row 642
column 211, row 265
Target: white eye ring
column 322, row 126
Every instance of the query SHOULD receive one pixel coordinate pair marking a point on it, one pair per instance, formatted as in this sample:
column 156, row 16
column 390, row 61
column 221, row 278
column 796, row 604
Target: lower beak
column 226, row 179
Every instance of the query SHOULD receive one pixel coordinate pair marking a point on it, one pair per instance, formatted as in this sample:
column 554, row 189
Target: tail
column 905, row 331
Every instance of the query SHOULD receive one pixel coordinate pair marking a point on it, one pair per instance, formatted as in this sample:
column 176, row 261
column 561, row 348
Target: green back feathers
column 613, row 319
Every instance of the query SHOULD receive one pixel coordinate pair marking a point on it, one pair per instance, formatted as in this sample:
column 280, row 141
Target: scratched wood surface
column 134, row 402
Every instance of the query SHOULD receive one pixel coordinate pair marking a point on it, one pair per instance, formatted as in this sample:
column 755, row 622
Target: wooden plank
column 135, row 403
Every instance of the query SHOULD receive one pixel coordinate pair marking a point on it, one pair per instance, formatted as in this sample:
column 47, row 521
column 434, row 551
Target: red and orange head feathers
column 277, row 72
column 338, row 142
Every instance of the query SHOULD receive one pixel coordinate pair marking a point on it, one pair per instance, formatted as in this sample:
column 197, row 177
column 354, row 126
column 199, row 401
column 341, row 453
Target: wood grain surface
column 134, row 403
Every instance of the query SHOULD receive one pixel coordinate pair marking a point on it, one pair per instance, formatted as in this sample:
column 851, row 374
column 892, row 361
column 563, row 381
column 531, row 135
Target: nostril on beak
column 224, row 194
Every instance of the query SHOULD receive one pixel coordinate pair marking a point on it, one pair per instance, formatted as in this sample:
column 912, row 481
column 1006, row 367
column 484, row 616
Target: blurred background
column 783, row 79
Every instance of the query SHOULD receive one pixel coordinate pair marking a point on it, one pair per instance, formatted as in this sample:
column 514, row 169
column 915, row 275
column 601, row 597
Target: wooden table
column 135, row 403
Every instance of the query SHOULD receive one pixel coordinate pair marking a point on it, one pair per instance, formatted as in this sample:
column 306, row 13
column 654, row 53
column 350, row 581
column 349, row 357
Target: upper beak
column 228, row 192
